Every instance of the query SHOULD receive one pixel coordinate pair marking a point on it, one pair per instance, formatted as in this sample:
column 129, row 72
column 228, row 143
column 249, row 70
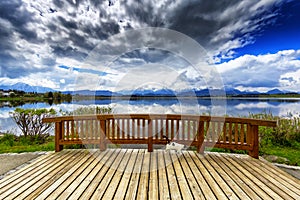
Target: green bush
column 30, row 122
column 8, row 139
column 286, row 133
column 87, row 110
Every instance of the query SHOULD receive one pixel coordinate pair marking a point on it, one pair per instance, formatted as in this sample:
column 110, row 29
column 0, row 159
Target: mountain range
column 141, row 92
column 26, row 88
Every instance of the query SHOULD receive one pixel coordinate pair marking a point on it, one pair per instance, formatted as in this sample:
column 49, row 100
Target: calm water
column 231, row 107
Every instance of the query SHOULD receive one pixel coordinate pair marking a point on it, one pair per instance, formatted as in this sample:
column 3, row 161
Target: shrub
column 30, row 121
column 85, row 110
column 286, row 133
column 8, row 139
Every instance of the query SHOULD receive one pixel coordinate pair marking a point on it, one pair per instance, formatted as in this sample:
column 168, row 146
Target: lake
column 231, row 106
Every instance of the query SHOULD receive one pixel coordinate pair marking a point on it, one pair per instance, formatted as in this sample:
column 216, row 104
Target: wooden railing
column 199, row 131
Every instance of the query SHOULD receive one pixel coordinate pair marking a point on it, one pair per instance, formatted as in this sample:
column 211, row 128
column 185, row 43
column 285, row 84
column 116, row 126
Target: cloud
column 38, row 36
column 270, row 70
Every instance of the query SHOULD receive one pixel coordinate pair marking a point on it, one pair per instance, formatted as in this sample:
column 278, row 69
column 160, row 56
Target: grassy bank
column 285, row 155
column 10, row 143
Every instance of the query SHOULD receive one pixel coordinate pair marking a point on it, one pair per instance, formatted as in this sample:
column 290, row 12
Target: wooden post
column 103, row 145
column 150, row 136
column 200, row 145
column 58, row 136
column 254, row 141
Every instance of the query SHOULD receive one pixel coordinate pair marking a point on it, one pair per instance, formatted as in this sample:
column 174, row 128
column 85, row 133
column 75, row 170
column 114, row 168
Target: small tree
column 30, row 120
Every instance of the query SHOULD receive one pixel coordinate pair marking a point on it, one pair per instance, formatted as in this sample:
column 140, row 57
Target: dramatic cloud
column 36, row 37
column 268, row 71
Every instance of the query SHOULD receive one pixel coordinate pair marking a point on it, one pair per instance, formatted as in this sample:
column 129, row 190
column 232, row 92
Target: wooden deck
column 138, row 174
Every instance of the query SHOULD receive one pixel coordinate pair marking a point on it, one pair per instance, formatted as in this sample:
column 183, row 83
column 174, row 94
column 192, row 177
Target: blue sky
column 283, row 34
column 248, row 44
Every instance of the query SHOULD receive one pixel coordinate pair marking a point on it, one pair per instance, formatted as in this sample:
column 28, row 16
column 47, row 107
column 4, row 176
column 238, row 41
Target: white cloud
column 267, row 71
column 42, row 35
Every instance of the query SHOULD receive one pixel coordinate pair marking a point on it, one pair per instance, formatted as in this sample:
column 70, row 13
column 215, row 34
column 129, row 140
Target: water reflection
column 233, row 107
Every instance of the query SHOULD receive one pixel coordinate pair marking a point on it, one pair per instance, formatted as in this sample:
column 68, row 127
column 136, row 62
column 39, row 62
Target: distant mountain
column 275, row 91
column 92, row 93
column 144, row 92
column 26, row 88
column 171, row 93
column 160, row 92
column 211, row 92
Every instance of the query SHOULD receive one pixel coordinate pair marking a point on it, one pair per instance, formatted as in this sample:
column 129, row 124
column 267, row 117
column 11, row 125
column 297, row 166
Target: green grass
column 9, row 143
column 19, row 148
column 291, row 153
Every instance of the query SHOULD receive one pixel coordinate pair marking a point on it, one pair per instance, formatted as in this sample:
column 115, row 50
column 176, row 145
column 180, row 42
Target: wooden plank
column 246, row 180
column 229, row 193
column 58, row 136
column 133, row 129
column 73, row 177
column 200, row 138
column 60, row 185
column 171, row 175
column 181, row 133
column 236, row 133
column 21, row 177
column 235, row 176
column 78, row 175
column 181, row 179
column 290, row 181
column 103, row 168
column 284, row 181
column 128, row 131
column 209, row 179
column 264, row 191
column 164, row 192
column 131, row 192
column 68, row 130
column 255, row 144
column 200, row 179
column 153, row 177
column 72, row 130
column 123, row 128
column 81, row 133
column 144, row 128
column 92, row 173
column 124, row 182
column 46, row 176
column 177, row 134
column 117, row 176
column 242, row 134
column 190, row 178
column 167, row 128
column 161, row 130
column 9, row 180
column 103, row 185
column 143, row 186
column 274, row 185
column 224, row 138
column 230, row 133
column 172, row 129
column 113, row 129
column 150, row 137
column 50, row 178
column 189, row 130
column 219, row 132
column 213, row 132
column 258, row 122
column 77, row 130
column 226, row 179
column 118, row 124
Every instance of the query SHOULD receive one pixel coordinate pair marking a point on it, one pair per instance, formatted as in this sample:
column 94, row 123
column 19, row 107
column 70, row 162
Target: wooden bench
column 199, row 131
